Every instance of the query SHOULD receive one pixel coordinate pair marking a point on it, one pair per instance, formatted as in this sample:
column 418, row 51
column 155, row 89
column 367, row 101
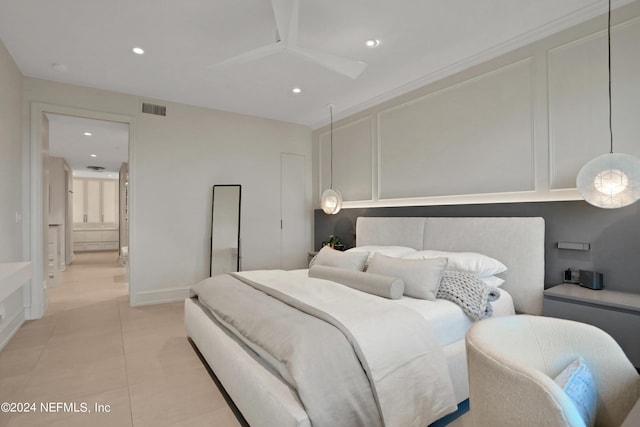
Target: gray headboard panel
column 516, row 242
column 390, row 232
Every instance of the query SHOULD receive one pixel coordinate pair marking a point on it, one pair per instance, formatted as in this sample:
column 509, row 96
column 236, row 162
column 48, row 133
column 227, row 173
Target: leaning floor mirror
column 225, row 229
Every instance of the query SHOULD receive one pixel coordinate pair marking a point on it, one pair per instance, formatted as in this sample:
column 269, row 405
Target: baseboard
column 160, row 296
column 11, row 328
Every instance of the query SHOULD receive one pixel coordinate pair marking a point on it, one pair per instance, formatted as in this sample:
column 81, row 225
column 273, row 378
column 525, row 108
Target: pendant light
column 331, row 200
column 612, row 180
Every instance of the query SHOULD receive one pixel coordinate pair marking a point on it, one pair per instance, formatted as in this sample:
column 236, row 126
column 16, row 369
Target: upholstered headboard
column 517, row 242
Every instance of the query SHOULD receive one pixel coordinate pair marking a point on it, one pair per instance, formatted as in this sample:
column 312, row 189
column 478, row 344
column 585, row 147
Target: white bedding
column 447, row 320
column 380, row 333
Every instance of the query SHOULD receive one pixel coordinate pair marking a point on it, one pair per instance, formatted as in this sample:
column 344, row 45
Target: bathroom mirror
column 225, row 229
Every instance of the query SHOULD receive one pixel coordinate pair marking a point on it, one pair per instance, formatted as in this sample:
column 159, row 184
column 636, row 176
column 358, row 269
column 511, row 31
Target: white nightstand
column 617, row 313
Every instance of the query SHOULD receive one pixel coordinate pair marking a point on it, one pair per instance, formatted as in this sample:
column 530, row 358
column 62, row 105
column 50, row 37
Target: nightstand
column 310, row 255
column 617, row 313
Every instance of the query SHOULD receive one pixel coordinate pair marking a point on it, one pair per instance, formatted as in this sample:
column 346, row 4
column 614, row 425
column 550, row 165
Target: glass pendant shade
column 331, row 201
column 610, row 181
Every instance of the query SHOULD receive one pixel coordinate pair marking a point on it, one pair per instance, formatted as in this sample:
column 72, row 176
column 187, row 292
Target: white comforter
column 397, row 348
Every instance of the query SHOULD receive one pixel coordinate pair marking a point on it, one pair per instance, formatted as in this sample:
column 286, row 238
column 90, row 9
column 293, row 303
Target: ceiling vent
column 96, row 168
column 158, row 110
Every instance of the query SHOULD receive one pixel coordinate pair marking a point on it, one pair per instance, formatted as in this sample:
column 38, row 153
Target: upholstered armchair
column 513, row 362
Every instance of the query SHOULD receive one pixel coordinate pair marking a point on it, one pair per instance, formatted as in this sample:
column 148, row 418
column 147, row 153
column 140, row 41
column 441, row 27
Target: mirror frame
column 213, row 206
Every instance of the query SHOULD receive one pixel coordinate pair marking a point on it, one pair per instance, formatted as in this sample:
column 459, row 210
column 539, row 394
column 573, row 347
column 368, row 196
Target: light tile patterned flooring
column 92, row 347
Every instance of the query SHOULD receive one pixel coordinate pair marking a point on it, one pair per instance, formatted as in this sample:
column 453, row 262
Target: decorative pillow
column 392, row 251
column 382, row 286
column 421, row 277
column 333, row 258
column 577, row 382
column 468, row 262
column 469, row 292
column 493, row 281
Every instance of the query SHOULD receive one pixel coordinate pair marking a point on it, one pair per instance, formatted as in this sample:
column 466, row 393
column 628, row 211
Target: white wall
column 10, row 184
column 10, row 158
column 516, row 128
column 174, row 162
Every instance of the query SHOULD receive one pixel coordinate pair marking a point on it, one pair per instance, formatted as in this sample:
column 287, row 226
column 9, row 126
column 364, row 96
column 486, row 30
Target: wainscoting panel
column 471, row 138
column 352, row 159
column 578, row 104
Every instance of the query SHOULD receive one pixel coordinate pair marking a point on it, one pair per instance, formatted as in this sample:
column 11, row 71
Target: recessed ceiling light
column 296, row 90
column 93, row 155
column 138, row 50
column 372, row 43
column 88, row 134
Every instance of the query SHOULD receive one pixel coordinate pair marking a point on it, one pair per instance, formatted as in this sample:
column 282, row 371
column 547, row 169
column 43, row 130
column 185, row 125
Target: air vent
column 158, row 110
column 96, row 168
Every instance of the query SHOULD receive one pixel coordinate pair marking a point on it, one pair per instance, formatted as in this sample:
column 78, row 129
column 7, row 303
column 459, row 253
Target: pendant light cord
column 331, row 143
column 609, row 68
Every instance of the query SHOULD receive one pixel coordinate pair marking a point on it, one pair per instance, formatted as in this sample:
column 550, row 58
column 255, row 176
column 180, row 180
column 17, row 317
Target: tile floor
column 91, row 347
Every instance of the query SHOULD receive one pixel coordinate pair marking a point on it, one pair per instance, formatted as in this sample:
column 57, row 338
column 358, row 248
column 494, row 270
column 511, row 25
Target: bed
column 257, row 389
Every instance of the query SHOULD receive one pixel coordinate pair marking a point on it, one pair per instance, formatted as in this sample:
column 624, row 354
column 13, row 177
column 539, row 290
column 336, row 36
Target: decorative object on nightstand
column 331, row 200
column 571, row 276
column 334, row 242
column 591, row 279
column 612, row 180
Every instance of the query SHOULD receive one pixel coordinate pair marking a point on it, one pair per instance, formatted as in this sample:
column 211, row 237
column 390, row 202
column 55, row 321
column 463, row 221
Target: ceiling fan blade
column 285, row 13
column 345, row 66
column 249, row 56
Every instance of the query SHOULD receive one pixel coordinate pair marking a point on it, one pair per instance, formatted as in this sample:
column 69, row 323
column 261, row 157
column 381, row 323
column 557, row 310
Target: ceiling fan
column 286, row 16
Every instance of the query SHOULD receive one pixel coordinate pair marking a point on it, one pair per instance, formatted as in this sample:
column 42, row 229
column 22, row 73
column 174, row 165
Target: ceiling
column 90, row 43
column 108, row 142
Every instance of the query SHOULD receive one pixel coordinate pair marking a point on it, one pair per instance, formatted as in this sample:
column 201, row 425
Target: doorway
column 68, row 145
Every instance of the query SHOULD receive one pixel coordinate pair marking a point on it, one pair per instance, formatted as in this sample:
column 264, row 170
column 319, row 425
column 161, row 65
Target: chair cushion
column 577, row 382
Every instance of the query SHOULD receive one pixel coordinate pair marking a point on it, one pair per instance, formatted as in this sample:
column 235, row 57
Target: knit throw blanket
column 469, row 292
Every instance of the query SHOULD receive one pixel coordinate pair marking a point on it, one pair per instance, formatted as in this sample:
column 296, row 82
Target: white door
column 295, row 238
column 78, row 201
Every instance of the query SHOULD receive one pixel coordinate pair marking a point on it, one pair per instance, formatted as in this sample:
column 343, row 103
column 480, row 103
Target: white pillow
column 577, row 382
column 493, row 281
column 333, row 258
column 392, row 251
column 421, row 277
column 468, row 262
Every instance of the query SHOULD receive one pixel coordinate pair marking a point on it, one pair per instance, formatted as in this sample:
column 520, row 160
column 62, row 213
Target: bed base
column 262, row 398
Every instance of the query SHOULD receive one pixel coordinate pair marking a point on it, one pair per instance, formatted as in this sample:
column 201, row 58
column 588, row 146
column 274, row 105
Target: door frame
column 36, row 241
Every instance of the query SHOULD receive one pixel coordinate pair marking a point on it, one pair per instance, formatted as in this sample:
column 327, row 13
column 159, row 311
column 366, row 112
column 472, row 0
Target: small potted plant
column 334, row 242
